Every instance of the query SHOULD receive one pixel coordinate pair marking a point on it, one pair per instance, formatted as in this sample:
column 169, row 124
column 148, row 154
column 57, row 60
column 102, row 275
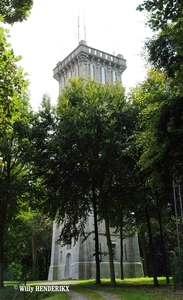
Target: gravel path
column 105, row 295
column 108, row 296
column 76, row 296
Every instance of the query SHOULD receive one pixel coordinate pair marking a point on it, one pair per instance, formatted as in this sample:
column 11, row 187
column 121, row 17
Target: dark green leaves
column 15, row 10
column 161, row 12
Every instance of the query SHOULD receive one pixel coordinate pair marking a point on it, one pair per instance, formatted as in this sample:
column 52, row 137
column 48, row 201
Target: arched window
column 68, row 266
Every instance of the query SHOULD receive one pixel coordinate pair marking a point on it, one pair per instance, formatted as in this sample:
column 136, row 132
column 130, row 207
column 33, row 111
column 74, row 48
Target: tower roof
column 84, row 53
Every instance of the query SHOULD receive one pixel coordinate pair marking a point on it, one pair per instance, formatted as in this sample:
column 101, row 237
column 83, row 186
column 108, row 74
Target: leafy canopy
column 15, row 10
column 161, row 12
column 165, row 51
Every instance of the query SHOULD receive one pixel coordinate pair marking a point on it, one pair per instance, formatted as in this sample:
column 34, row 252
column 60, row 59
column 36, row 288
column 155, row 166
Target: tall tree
column 153, row 141
column 83, row 155
column 14, row 107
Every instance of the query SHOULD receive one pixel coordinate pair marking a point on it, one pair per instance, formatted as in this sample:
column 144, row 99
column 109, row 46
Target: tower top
column 85, row 61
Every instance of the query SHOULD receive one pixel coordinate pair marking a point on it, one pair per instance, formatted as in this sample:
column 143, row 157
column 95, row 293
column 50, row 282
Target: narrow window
column 103, row 75
column 113, row 76
column 91, row 66
column 62, row 81
column 125, row 252
column 100, row 251
column 60, row 256
column 114, row 251
column 76, row 71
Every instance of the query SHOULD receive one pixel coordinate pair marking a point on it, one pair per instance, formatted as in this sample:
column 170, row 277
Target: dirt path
column 105, row 295
column 76, row 296
column 108, row 296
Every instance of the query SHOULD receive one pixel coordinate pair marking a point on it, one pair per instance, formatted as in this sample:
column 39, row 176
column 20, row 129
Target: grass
column 5, row 291
column 128, row 289
column 134, row 289
column 128, row 281
column 47, row 296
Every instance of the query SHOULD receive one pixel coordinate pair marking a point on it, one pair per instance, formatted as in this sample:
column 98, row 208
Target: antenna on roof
column 78, row 32
column 84, row 28
column 78, row 27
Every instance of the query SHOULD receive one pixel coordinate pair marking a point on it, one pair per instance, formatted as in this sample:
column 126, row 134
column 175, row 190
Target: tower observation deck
column 87, row 62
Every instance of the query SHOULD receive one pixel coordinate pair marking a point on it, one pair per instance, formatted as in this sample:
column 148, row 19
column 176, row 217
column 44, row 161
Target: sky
column 51, row 33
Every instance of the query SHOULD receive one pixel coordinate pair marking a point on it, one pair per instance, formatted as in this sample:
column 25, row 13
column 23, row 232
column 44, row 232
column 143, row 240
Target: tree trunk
column 97, row 260
column 109, row 244
column 34, row 259
column 163, row 249
column 1, row 257
column 144, row 252
column 2, row 225
column 151, row 249
column 121, row 252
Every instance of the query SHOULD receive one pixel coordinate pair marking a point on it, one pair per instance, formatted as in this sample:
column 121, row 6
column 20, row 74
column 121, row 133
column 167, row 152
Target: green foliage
column 14, row 145
column 80, row 151
column 165, row 50
column 15, row 10
column 28, row 241
column 13, row 84
column 163, row 53
column 152, row 141
column 161, row 12
column 149, row 98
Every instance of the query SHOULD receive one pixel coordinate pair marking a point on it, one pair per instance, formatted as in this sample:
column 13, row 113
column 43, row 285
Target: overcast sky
column 50, row 34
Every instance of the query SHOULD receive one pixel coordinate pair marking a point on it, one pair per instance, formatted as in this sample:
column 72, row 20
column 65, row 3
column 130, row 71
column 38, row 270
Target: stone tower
column 78, row 261
column 87, row 62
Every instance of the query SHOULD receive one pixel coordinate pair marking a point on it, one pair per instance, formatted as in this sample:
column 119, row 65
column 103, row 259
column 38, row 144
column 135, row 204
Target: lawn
column 134, row 289
column 128, row 289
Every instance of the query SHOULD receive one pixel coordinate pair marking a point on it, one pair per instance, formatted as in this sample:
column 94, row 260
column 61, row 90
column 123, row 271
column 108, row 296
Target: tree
column 41, row 231
column 165, row 49
column 27, row 243
column 155, row 151
column 15, row 10
column 82, row 155
column 14, row 107
column 165, row 52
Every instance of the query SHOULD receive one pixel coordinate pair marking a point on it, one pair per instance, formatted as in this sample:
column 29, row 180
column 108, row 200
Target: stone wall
column 78, row 261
